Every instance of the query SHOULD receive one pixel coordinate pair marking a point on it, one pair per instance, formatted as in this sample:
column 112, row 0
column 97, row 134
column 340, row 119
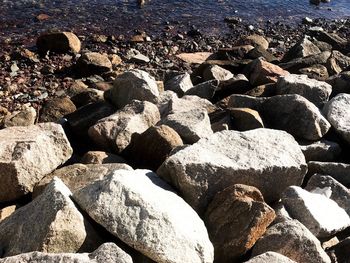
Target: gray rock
column 25, row 117
column 298, row 63
column 106, row 253
column 317, row 92
column 337, row 62
column 91, row 63
column 147, row 217
column 245, row 101
column 180, row 84
column 27, row 154
column 339, row 171
column 205, row 90
column 324, row 151
column 217, row 73
column 296, row 115
column 337, row 112
column 340, row 83
column 135, row 56
column 301, row 49
column 336, row 191
column 293, row 240
column 188, row 103
column 114, row 132
column 321, row 215
column 132, row 85
column 270, row 257
column 229, row 157
column 51, row 223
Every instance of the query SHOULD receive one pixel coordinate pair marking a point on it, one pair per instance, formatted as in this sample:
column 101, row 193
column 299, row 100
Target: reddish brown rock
column 55, row 109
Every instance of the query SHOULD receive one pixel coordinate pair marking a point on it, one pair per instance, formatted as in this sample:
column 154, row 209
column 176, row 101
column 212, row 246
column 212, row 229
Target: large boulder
column 236, row 218
column 60, row 42
column 27, row 154
column 51, row 223
column 267, row 159
column 132, row 85
column 114, row 132
column 337, row 112
column 106, row 253
column 293, row 240
column 147, row 217
column 270, row 257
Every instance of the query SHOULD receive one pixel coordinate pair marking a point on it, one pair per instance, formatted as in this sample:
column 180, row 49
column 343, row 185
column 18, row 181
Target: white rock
column 179, row 84
column 217, row 72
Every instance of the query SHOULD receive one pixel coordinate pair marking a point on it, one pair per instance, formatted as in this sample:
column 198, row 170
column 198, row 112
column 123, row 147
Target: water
column 123, row 16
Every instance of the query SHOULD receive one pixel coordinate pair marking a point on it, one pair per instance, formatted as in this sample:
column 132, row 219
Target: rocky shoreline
column 177, row 148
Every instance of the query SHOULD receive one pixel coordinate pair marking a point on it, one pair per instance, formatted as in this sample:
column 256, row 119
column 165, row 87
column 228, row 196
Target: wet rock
column 25, row 117
column 339, row 171
column 217, row 73
column 296, row 115
column 98, row 157
column 337, row 112
column 229, row 157
column 205, row 90
column 28, row 154
column 114, row 132
column 293, row 240
column 132, row 85
column 317, row 92
column 7, row 211
column 321, row 215
column 91, row 63
column 340, row 83
column 52, row 219
column 56, row 108
column 245, row 119
column 151, row 148
column 318, row 72
column 301, row 49
column 236, row 218
column 147, row 217
column 256, row 40
column 324, row 151
column 270, row 257
column 60, row 42
column 106, row 253
column 337, row 62
column 335, row 190
column 296, row 64
column 179, row 84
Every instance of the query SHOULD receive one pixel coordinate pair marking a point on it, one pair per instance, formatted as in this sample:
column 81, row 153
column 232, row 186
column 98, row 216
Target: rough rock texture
column 293, row 240
column 217, row 73
column 302, row 48
column 98, row 157
column 339, row 171
column 296, row 64
column 60, row 42
column 267, row 159
column 205, row 90
column 106, row 253
column 317, row 92
column 341, row 251
column 27, row 154
column 51, row 223
column 336, row 191
column 54, row 109
column 93, row 63
column 114, row 132
column 25, row 117
column 256, row 40
column 270, row 257
column 7, row 211
column 179, row 84
column 188, row 103
column 324, row 151
column 296, row 115
column 132, row 85
column 147, row 217
column 245, row 119
column 337, row 112
column 317, row 71
column 337, row 62
column 151, row 148
column 321, row 215
column 77, row 176
column 236, row 218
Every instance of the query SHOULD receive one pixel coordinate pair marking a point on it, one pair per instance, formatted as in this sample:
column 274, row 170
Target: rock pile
column 245, row 158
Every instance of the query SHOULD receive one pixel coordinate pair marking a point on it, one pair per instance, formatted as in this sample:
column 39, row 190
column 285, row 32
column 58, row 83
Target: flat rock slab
column 270, row 257
column 142, row 210
column 27, row 154
column 106, row 253
column 267, row 159
column 321, row 215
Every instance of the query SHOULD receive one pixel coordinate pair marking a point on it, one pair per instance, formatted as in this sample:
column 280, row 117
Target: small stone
column 7, row 211
column 91, row 63
column 61, row 42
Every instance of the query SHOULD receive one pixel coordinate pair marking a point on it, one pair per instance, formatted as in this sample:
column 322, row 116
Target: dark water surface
column 123, row 16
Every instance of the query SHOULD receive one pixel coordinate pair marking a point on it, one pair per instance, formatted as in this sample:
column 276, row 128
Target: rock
column 237, row 85
column 91, row 63
column 340, row 83
column 164, row 101
column 147, row 217
column 52, row 219
column 293, row 240
column 296, row 64
column 282, row 214
column 317, row 92
column 25, row 117
column 324, row 151
column 321, row 215
column 27, row 154
column 339, row 171
column 229, row 157
column 86, row 97
column 114, row 132
column 151, row 148
column 245, row 119
column 256, row 40
column 55, row 109
column 132, row 85
column 301, row 49
column 7, row 211
column 270, row 257
column 318, row 72
column 260, row 72
column 337, row 42
column 244, row 101
column 340, row 252
column 337, row 62
column 236, row 218
column 337, row 112
column 296, row 115
column 191, row 125
column 258, row 52
column 179, row 84
column 98, row 157
column 205, row 90
column 236, row 51
column 217, row 73
column 266, row 90
column 60, row 42
column 106, row 253
column 135, row 56
column 195, row 58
